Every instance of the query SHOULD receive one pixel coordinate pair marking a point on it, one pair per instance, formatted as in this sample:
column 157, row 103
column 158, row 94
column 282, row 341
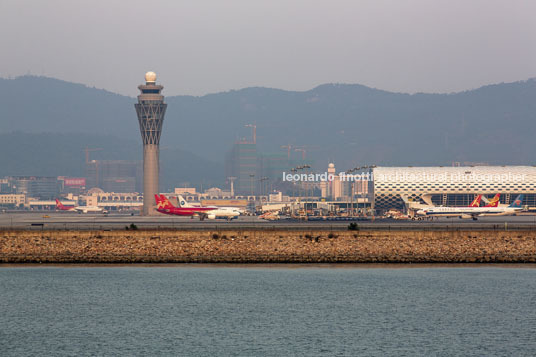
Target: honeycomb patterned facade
column 452, row 186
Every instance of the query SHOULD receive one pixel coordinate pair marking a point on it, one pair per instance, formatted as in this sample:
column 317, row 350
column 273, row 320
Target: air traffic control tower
column 150, row 109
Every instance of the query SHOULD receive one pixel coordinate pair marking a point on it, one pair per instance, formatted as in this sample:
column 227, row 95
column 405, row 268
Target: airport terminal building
column 451, row 186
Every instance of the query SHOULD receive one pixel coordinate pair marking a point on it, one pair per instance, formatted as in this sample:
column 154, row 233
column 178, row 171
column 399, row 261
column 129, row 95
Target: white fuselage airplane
column 472, row 212
column 223, row 213
column 89, row 209
column 79, row 209
column 227, row 213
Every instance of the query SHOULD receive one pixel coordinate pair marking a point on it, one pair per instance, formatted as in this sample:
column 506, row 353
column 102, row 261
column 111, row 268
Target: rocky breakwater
column 255, row 246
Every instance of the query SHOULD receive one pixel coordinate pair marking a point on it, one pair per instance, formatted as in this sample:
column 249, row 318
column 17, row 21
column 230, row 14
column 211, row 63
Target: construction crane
column 254, row 131
column 303, row 151
column 288, row 147
column 88, row 150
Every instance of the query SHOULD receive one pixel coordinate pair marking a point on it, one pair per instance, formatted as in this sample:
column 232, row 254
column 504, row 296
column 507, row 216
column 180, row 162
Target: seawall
column 257, row 246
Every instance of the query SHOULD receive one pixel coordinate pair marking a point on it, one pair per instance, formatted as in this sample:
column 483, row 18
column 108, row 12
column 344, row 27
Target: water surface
column 262, row 311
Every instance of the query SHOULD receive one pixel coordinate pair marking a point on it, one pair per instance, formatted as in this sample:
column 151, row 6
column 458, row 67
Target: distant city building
column 185, row 190
column 114, row 175
column 115, row 201
column 343, row 187
column 242, row 162
column 225, row 202
column 271, row 169
column 4, row 186
column 73, row 185
column 273, row 165
column 252, row 173
column 36, row 186
column 332, row 189
column 362, row 187
column 12, row 200
column 278, row 197
column 216, row 192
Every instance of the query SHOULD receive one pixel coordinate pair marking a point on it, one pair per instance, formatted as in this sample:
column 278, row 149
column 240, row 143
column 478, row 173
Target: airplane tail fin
column 58, row 204
column 164, row 202
column 517, row 202
column 476, row 201
column 494, row 202
column 183, row 202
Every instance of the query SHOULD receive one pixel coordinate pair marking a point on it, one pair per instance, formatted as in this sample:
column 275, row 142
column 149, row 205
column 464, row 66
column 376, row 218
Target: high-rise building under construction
column 242, row 163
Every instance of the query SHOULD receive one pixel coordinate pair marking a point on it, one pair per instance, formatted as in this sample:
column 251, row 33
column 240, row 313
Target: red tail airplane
column 476, row 201
column 494, row 202
column 164, row 206
column 61, row 207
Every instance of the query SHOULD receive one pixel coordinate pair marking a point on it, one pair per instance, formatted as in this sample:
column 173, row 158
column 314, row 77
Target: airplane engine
column 466, row 216
column 211, row 216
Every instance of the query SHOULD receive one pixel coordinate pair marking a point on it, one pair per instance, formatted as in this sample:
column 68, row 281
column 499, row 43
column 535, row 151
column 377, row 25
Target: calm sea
column 267, row 311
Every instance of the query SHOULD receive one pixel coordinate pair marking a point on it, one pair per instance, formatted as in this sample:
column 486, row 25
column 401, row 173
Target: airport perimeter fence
column 325, row 227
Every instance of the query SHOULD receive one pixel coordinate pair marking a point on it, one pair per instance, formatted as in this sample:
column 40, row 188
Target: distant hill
column 349, row 124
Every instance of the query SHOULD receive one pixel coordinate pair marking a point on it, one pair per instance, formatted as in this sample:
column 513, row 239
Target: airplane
column 472, row 212
column 164, row 206
column 416, row 206
column 90, row 209
column 79, row 209
column 61, row 207
column 222, row 213
column 511, row 210
column 183, row 203
column 228, row 213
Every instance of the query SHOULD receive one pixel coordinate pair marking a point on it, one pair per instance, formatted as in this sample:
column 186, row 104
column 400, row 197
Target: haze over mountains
column 348, row 124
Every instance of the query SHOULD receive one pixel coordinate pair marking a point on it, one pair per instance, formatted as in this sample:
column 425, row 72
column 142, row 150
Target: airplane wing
column 474, row 215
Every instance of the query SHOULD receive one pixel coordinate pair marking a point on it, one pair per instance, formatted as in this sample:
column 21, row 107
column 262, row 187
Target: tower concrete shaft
column 150, row 110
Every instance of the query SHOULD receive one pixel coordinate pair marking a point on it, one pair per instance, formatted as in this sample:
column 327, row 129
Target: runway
column 69, row 220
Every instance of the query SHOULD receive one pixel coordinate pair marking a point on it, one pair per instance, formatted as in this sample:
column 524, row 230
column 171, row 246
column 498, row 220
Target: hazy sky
column 205, row 46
